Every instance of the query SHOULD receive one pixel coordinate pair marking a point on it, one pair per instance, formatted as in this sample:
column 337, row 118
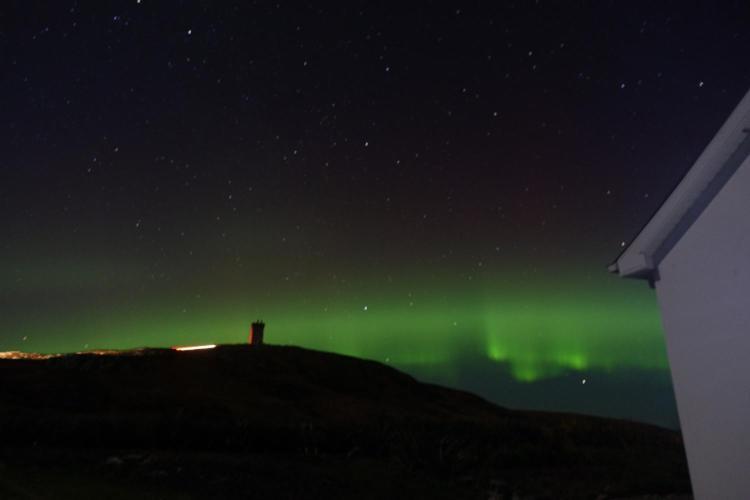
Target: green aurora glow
column 537, row 330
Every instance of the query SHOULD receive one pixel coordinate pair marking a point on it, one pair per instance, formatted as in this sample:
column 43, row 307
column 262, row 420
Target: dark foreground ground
column 284, row 422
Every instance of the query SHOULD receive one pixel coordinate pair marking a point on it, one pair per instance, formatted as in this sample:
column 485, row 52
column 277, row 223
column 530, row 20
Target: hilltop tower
column 256, row 333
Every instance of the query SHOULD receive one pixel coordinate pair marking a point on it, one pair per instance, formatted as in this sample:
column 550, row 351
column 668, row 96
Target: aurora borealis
column 532, row 333
column 435, row 188
column 537, row 333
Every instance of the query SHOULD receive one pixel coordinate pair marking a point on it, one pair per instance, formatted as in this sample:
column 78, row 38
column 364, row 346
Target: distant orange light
column 26, row 355
column 194, row 347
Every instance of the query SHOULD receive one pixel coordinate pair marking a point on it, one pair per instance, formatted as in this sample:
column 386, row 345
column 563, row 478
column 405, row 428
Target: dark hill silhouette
column 285, row 422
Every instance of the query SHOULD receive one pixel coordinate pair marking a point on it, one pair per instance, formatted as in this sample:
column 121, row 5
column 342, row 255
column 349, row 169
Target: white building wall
column 704, row 294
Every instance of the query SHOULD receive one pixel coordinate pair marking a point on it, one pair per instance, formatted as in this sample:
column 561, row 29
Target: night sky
column 439, row 187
